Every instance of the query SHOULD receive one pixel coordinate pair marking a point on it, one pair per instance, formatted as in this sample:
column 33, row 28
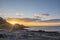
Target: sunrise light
column 14, row 22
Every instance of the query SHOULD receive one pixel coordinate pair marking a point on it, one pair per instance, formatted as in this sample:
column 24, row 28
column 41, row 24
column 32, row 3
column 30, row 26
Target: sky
column 28, row 8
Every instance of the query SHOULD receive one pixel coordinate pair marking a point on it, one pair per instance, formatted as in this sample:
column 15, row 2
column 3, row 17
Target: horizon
column 33, row 22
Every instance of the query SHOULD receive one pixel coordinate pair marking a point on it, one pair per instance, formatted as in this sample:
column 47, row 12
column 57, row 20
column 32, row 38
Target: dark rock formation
column 3, row 36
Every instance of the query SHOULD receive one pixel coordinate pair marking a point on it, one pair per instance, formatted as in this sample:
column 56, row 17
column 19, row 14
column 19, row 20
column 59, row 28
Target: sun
column 14, row 22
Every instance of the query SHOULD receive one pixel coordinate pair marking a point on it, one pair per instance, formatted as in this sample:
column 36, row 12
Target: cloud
column 41, row 15
column 19, row 14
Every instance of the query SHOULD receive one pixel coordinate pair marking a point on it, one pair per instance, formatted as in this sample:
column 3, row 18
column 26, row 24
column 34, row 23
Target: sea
column 45, row 28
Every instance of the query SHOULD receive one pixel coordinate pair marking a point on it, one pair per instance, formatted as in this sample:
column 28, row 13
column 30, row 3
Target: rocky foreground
column 29, row 35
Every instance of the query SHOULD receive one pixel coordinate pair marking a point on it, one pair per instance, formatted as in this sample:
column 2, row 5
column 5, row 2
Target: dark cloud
column 41, row 15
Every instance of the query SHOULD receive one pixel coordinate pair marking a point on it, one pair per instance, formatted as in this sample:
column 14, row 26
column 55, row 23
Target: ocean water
column 45, row 28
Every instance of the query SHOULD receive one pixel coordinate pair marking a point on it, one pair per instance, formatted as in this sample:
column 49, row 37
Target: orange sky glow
column 33, row 23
